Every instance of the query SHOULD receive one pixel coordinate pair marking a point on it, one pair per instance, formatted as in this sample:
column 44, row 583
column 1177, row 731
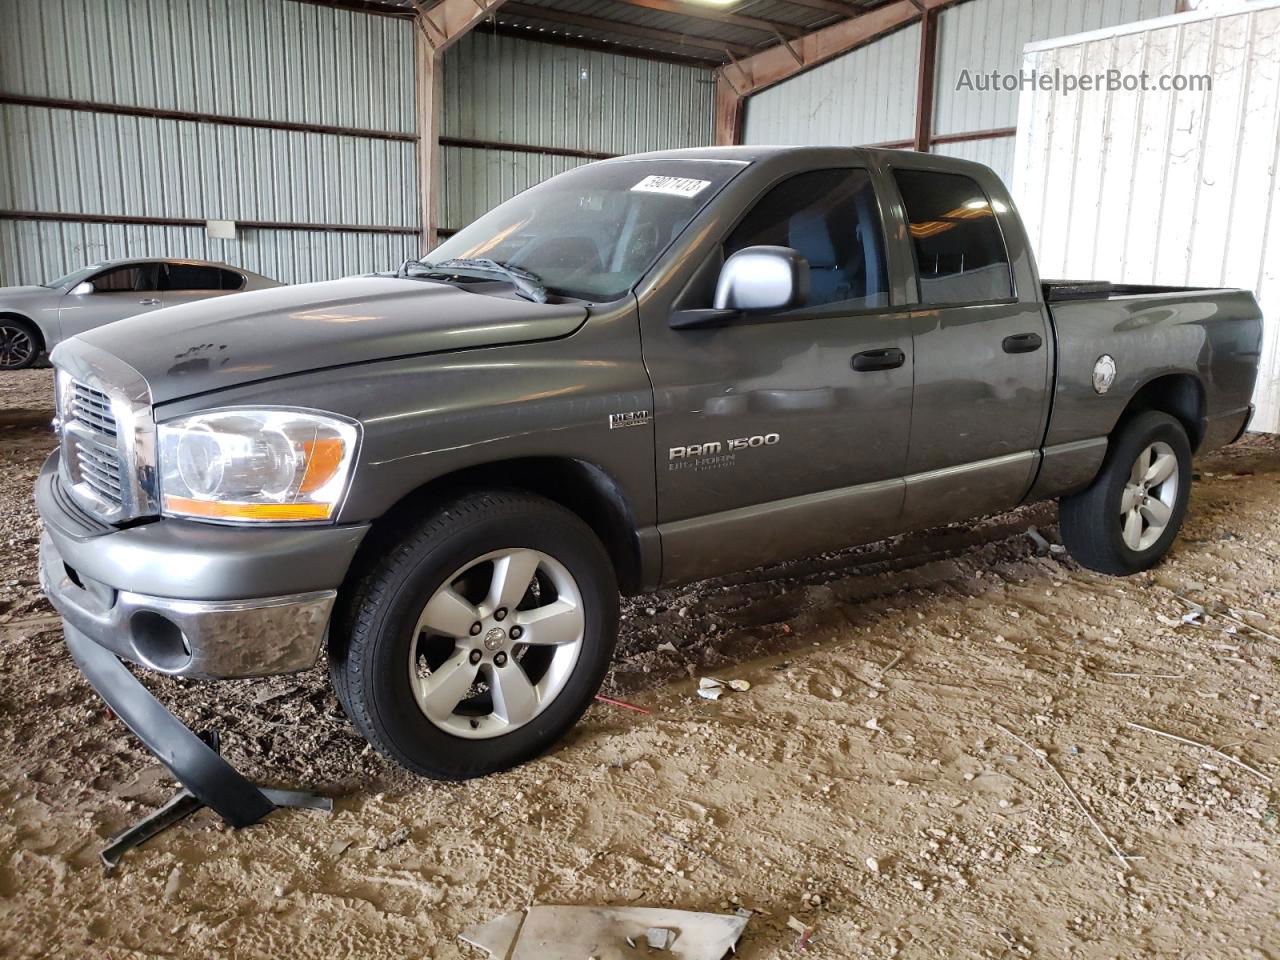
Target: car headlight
column 255, row 465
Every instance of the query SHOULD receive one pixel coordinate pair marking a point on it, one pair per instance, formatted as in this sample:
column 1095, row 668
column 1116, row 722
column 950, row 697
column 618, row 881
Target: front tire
column 1127, row 519
column 479, row 638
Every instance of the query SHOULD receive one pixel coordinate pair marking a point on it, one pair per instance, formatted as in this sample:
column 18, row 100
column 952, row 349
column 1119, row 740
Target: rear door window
column 187, row 276
column 960, row 252
column 830, row 218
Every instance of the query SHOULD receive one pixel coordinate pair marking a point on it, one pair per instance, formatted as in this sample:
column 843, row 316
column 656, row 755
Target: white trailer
column 1140, row 183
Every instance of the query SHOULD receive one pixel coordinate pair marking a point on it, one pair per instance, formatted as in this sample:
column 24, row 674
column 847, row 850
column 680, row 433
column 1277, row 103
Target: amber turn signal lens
column 220, row 510
column 324, row 459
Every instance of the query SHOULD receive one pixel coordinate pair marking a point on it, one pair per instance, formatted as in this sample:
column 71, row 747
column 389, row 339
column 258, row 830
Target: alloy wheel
column 17, row 347
column 1149, row 496
column 496, row 643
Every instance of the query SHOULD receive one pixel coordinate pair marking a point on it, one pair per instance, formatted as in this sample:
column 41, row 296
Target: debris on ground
column 613, row 702
column 805, row 931
column 606, row 933
column 710, row 688
column 1203, row 746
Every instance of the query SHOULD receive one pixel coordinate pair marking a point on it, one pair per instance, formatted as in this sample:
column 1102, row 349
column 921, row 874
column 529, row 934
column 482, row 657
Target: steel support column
column 438, row 28
column 925, row 78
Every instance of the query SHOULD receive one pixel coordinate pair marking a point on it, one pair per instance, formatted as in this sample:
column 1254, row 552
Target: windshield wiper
column 528, row 285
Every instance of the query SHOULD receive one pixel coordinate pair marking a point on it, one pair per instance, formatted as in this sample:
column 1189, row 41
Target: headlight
column 255, row 465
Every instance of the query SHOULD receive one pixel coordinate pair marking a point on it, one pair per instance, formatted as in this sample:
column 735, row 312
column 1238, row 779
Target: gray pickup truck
column 645, row 371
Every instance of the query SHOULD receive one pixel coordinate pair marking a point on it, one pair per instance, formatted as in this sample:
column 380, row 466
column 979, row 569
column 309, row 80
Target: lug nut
column 475, row 629
column 475, row 656
column 500, row 613
column 517, row 633
column 500, row 659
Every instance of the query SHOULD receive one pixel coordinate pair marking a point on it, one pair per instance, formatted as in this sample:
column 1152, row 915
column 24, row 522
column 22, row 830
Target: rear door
column 772, row 440
column 125, row 290
column 189, row 282
column 982, row 350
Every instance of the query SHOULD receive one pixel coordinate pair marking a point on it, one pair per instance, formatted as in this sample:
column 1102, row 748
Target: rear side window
column 829, row 217
column 960, row 253
column 186, row 276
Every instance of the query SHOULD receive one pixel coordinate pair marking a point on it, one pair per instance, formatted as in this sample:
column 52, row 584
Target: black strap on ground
column 207, row 778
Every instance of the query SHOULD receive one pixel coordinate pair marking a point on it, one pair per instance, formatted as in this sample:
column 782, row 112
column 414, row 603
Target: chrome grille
column 108, row 434
column 91, row 445
column 100, row 469
column 92, row 407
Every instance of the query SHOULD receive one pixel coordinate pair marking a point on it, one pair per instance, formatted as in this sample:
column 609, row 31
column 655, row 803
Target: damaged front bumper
column 164, row 594
column 190, row 599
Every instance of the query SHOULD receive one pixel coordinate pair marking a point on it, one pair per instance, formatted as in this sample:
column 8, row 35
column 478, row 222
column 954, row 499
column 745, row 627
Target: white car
column 33, row 320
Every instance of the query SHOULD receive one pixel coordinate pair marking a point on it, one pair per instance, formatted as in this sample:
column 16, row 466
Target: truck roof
column 822, row 154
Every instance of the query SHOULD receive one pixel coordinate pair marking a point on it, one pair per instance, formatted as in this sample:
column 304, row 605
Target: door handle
column 150, row 301
column 1022, row 343
column 887, row 358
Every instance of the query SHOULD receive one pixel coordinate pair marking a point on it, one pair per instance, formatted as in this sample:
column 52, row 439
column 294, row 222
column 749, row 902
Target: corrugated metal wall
column 868, row 95
column 1164, row 187
column 987, row 35
column 269, row 60
column 504, row 90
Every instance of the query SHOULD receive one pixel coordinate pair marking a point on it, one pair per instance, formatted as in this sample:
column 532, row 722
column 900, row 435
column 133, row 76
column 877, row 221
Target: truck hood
column 228, row 341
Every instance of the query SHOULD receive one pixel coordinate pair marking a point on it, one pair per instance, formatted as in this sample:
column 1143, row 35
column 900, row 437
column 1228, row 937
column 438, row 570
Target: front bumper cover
column 198, row 766
column 210, row 639
column 190, row 599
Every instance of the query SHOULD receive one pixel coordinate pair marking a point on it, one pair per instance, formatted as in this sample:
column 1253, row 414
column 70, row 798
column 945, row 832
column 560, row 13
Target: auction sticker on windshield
column 674, row 186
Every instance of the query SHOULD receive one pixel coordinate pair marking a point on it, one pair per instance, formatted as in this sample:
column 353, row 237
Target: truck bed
column 1058, row 291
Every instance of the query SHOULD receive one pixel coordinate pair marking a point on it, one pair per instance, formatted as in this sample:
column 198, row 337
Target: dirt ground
column 864, row 785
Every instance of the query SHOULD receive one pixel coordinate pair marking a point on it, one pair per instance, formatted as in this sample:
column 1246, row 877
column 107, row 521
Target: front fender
column 431, row 416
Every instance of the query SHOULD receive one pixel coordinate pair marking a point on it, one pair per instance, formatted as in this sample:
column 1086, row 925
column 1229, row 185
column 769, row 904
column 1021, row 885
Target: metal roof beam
column 840, row 9
column 679, row 9
column 618, row 28
column 445, row 23
column 742, row 78
column 775, row 64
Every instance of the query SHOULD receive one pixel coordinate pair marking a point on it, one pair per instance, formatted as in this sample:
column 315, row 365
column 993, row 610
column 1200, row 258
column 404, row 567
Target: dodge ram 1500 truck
column 644, row 371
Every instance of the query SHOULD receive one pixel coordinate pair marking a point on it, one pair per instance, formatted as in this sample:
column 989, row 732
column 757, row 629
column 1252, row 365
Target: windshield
column 75, row 276
column 592, row 233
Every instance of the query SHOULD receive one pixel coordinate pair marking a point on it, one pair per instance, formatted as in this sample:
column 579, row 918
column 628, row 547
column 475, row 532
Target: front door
column 118, row 292
column 785, row 434
column 982, row 357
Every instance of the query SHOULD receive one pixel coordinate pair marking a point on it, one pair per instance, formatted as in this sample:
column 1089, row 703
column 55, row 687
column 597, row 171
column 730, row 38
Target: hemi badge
column 633, row 418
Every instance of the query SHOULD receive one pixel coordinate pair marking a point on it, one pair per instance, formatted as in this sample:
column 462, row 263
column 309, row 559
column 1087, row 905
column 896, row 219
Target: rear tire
column 1128, row 517
column 20, row 344
column 479, row 637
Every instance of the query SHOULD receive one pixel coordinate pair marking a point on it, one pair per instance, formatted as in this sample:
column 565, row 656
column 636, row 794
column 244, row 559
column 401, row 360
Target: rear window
column 187, row 276
column 960, row 252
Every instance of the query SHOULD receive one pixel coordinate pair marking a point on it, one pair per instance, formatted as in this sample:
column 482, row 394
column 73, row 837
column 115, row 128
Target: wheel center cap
column 494, row 639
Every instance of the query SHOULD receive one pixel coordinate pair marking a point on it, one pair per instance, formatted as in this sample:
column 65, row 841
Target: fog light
column 159, row 641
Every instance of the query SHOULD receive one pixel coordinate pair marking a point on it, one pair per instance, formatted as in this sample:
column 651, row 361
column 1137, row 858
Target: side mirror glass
column 763, row 278
column 80, row 289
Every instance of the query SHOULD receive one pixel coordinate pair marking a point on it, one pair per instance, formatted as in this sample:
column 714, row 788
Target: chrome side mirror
column 763, row 278
column 80, row 289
